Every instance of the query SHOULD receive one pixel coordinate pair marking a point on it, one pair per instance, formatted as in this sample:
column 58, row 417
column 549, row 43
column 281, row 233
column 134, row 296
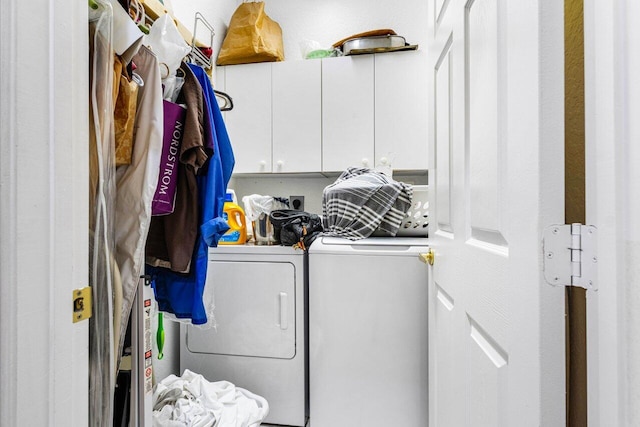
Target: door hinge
column 570, row 255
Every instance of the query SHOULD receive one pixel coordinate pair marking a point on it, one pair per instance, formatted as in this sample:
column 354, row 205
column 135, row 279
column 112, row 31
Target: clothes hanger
column 228, row 102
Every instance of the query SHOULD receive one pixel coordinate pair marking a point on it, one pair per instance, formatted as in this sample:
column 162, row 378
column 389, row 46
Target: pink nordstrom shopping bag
column 164, row 198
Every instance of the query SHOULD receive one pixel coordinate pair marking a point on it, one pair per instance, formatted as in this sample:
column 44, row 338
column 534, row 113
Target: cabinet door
column 249, row 123
column 401, row 109
column 347, row 112
column 255, row 311
column 297, row 110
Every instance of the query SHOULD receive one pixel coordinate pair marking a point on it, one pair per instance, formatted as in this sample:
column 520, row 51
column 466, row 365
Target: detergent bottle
column 234, row 215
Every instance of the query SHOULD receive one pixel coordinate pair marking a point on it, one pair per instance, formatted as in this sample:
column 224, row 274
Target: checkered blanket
column 362, row 201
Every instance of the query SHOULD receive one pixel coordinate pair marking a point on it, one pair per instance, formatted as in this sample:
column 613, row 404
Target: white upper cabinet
column 401, row 110
column 347, row 112
column 327, row 115
column 296, row 116
column 249, row 123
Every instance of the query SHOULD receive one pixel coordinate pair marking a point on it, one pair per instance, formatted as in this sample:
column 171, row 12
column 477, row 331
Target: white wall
column 325, row 21
column 328, row 21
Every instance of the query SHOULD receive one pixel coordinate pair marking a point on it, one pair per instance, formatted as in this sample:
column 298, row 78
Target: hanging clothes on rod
column 172, row 237
column 181, row 295
column 127, row 105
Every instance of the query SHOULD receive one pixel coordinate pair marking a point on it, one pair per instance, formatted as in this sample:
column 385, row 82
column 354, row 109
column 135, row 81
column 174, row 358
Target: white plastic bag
column 257, row 209
column 256, row 204
column 167, row 43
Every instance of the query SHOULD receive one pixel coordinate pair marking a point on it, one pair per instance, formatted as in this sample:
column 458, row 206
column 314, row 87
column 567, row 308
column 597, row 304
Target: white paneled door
column 497, row 119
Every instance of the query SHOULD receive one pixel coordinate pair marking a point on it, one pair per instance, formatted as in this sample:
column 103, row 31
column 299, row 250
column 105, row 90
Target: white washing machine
column 259, row 343
column 368, row 334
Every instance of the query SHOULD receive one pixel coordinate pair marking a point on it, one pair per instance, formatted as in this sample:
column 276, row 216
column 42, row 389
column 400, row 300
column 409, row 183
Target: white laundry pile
column 191, row 400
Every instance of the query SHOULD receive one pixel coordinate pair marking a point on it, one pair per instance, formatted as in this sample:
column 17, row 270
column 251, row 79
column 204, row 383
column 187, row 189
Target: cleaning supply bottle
column 234, row 215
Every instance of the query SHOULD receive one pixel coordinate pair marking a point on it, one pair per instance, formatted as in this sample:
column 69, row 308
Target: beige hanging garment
column 136, row 183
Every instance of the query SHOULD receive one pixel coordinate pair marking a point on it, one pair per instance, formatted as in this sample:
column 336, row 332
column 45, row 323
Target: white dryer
column 368, row 358
column 259, row 343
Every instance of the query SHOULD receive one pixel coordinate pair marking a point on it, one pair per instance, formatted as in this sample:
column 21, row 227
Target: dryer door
column 254, row 310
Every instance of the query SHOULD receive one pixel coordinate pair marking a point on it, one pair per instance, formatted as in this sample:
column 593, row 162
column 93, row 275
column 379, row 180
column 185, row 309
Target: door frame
column 612, row 105
column 43, row 211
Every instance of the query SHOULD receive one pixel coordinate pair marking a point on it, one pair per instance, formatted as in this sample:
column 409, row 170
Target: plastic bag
column 252, row 37
column 167, row 43
column 255, row 204
column 257, row 209
column 311, row 49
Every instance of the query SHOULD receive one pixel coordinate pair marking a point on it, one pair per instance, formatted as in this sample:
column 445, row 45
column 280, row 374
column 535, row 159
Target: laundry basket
column 416, row 223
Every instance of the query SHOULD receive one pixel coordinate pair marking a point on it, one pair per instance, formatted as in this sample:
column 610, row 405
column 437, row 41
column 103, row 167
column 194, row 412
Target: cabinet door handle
column 284, row 317
column 365, row 161
column 280, row 164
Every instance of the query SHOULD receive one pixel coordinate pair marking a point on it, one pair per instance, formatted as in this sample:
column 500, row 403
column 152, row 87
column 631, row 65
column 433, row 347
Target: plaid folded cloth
column 362, row 201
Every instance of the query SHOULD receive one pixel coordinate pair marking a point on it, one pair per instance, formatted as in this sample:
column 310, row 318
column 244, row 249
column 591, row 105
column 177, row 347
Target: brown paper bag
column 252, row 37
column 124, row 115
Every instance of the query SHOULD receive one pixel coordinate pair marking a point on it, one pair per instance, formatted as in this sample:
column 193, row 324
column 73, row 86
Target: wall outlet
column 296, row 202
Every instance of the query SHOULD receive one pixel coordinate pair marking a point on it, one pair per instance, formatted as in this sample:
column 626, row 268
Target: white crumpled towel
column 191, row 400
